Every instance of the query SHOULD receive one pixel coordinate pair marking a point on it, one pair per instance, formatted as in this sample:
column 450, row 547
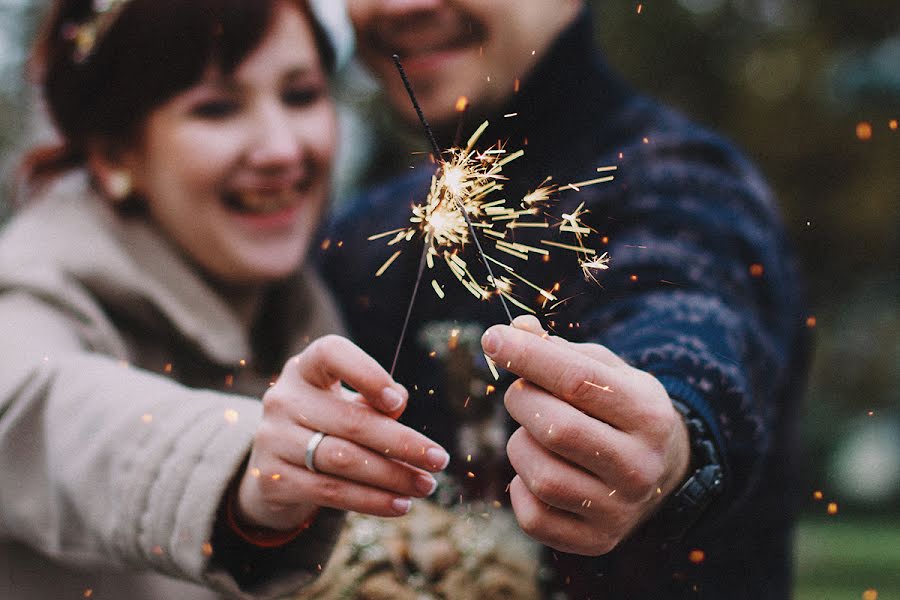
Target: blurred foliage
column 808, row 89
column 840, row 559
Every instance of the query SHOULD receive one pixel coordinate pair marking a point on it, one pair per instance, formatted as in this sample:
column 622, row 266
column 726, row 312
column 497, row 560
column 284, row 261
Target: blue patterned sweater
column 703, row 292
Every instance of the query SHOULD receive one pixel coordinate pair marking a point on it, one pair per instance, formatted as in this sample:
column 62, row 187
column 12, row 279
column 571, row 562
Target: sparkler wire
column 465, row 213
column 412, row 302
column 412, row 96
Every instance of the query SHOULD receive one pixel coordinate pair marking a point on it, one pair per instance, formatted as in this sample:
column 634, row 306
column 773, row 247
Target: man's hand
column 600, row 445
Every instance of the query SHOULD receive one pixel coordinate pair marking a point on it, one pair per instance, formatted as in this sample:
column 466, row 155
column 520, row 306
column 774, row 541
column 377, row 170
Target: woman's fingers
column 345, row 459
column 332, row 359
column 383, row 436
column 328, row 412
column 282, row 484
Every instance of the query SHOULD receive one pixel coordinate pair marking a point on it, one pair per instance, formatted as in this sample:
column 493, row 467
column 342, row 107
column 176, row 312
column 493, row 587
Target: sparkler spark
column 460, row 204
column 464, row 186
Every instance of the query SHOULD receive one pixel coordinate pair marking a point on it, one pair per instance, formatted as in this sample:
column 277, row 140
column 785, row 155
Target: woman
column 149, row 296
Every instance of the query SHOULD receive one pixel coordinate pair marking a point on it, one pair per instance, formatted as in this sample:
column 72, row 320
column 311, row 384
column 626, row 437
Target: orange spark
column 832, row 508
column 818, row 495
column 462, row 103
column 864, row 131
column 893, row 124
column 697, row 556
column 756, row 270
column 870, row 594
column 811, row 321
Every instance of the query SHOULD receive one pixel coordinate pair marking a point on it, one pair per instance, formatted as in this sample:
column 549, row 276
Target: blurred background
column 811, row 90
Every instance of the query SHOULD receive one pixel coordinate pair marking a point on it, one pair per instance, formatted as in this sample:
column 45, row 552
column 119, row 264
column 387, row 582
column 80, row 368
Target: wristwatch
column 683, row 507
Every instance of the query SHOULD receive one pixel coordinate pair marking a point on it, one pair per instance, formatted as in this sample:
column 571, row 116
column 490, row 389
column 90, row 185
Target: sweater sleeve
column 104, row 464
column 702, row 292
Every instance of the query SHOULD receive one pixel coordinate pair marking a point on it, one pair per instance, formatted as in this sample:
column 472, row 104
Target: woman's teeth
column 262, row 203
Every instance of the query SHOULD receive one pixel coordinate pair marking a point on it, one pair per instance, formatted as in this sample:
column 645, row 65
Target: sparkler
column 460, row 204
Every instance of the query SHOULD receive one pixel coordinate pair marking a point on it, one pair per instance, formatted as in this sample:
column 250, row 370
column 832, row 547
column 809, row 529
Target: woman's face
column 235, row 170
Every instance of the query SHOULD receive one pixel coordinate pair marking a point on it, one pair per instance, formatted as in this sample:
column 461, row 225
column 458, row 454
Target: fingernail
column 529, row 322
column 426, row 484
column 392, row 399
column 401, row 505
column 490, row 342
column 437, row 458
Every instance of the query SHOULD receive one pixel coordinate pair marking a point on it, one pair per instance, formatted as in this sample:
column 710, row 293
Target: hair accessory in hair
column 88, row 34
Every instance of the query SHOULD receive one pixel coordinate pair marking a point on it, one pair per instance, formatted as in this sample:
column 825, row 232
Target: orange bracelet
column 260, row 536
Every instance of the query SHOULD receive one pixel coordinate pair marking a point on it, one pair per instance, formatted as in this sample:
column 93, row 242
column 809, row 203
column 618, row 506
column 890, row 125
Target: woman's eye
column 215, row 109
column 302, row 96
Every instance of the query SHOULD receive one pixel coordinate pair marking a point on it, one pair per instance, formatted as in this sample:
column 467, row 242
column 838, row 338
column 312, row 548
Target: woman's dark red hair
column 154, row 50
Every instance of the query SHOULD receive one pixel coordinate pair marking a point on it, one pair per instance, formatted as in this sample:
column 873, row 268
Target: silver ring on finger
column 311, row 447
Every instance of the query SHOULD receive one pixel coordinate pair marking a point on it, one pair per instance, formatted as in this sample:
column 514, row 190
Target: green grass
column 841, row 557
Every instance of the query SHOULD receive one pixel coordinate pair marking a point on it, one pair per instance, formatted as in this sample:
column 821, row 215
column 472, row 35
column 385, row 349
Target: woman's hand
column 367, row 462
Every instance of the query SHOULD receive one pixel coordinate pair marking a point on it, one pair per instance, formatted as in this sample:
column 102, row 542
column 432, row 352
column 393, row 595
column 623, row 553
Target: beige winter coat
column 121, row 422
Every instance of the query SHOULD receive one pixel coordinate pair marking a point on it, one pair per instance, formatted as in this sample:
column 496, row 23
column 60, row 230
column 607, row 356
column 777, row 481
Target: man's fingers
column 332, row 359
column 550, row 526
column 591, row 386
column 596, row 351
column 562, row 429
column 554, row 480
column 529, row 323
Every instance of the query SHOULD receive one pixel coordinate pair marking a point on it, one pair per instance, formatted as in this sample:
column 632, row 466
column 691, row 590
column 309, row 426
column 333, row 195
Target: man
column 652, row 451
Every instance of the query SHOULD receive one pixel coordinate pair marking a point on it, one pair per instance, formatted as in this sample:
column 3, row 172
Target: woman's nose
column 276, row 142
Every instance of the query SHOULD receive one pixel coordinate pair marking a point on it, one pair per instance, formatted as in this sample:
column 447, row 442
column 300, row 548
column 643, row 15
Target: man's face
column 453, row 48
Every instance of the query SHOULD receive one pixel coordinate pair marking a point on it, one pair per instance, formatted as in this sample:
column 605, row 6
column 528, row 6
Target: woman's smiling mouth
column 264, row 202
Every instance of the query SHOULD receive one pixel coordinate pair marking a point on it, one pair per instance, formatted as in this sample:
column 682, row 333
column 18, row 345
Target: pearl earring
column 118, row 185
